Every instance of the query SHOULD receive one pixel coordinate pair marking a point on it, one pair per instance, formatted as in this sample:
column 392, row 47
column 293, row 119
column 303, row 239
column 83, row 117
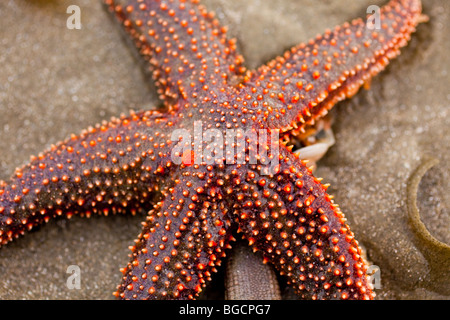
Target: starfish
column 212, row 162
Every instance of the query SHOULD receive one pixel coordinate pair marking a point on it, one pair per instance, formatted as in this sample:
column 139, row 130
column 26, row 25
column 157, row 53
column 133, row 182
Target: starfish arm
column 111, row 167
column 182, row 241
column 293, row 221
column 247, row 278
column 186, row 48
column 303, row 84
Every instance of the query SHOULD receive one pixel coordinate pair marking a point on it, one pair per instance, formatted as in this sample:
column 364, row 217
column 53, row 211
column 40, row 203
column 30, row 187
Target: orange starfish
column 211, row 163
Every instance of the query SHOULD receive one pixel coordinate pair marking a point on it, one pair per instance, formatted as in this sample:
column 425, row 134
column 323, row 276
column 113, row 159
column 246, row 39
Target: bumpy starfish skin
column 130, row 163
